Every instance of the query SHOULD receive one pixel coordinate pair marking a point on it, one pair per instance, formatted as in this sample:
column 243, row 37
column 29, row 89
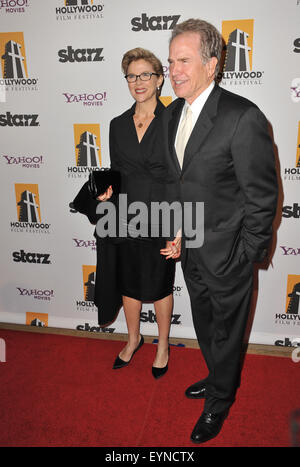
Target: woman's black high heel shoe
column 159, row 372
column 119, row 363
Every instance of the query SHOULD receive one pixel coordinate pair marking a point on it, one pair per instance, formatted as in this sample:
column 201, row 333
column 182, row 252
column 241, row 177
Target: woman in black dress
column 144, row 273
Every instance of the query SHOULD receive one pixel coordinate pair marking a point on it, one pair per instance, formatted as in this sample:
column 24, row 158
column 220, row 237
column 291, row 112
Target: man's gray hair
column 210, row 38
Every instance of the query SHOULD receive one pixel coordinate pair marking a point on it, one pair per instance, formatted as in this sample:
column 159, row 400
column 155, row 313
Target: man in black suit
column 228, row 164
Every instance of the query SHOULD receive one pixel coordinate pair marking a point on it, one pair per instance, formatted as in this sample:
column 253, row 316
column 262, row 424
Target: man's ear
column 211, row 66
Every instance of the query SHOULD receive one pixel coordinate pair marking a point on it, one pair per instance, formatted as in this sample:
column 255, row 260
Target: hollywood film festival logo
column 79, row 10
column 291, row 316
column 86, row 303
column 87, row 149
column 37, row 319
column 14, row 74
column 238, row 67
column 28, row 211
column 292, row 174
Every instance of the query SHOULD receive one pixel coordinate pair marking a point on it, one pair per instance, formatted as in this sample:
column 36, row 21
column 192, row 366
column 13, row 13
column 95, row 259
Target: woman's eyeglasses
column 146, row 76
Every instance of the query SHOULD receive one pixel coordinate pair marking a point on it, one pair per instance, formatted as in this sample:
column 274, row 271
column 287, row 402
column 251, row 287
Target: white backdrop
column 60, row 76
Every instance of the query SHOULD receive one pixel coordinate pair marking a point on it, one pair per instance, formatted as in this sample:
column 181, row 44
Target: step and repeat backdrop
column 61, row 84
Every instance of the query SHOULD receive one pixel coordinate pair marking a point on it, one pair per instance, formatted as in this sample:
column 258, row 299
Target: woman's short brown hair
column 141, row 54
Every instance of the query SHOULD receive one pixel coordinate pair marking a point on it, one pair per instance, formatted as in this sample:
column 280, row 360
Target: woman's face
column 143, row 91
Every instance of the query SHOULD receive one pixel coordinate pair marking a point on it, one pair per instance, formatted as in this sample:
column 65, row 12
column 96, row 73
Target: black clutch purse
column 100, row 180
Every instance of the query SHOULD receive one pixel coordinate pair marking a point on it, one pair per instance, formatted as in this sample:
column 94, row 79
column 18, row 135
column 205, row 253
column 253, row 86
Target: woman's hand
column 106, row 195
column 172, row 249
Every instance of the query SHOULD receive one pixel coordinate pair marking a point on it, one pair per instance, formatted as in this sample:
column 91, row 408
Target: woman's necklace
column 140, row 124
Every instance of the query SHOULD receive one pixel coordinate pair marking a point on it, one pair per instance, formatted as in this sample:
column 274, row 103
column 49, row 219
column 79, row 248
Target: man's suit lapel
column 172, row 129
column 202, row 127
column 198, row 135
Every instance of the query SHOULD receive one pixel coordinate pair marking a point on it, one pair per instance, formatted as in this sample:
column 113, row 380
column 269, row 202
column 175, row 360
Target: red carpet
column 61, row 391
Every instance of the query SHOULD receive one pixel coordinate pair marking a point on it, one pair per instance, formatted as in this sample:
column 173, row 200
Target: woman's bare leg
column 132, row 310
column 163, row 311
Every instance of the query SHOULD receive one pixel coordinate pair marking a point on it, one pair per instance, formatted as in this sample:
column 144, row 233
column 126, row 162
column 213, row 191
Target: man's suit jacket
column 229, row 165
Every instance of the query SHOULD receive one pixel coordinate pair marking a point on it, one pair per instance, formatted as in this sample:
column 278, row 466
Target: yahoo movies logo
column 87, row 149
column 28, row 210
column 27, row 162
column 290, row 251
column 78, row 243
column 86, row 99
column 14, row 73
column 37, row 294
column 238, row 67
column 14, row 6
column 166, row 70
column 79, row 10
column 295, row 90
column 88, row 284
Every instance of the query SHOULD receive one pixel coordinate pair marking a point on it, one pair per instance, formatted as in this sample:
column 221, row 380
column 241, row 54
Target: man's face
column 189, row 76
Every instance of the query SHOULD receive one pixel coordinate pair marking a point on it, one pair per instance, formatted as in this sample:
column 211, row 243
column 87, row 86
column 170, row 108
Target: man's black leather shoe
column 196, row 391
column 208, row 426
